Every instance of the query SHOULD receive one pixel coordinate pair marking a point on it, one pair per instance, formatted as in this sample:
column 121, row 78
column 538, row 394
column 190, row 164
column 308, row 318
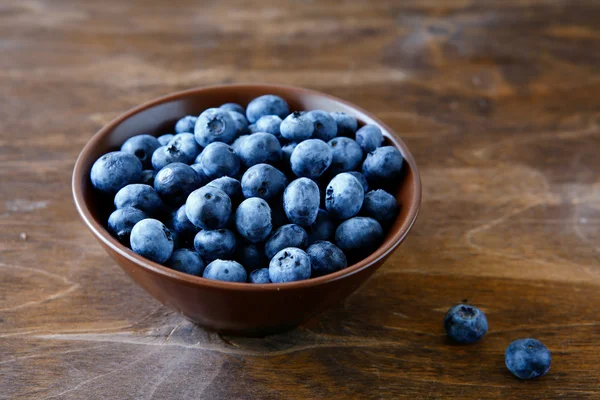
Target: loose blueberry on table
column 261, row 194
column 465, row 324
column 528, row 358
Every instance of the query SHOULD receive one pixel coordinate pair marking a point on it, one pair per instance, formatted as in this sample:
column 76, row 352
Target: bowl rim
column 104, row 236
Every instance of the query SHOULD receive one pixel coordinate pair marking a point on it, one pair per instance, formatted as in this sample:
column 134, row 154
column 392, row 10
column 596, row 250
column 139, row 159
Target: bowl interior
column 158, row 117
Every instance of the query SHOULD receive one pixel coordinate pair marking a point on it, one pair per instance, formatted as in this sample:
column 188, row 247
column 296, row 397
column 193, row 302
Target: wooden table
column 499, row 102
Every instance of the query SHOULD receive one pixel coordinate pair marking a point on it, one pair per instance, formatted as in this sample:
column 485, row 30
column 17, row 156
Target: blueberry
column 383, row 166
column 359, row 235
column 269, row 124
column 250, row 255
column 165, row 139
column 289, row 265
column 266, row 105
column 211, row 245
column 344, row 196
column 259, row 148
column 241, row 123
column 181, row 224
column 286, row 152
column 141, row 146
column 311, row 158
column 264, row 181
column 115, row 170
column 222, row 270
column 346, row 155
column 322, row 229
column 202, row 178
column 229, row 185
column 260, row 276
column 208, row 208
column 528, row 358
column 234, row 107
column 140, row 196
column 380, row 205
column 361, row 178
column 346, row 124
column 187, row 261
column 297, row 127
column 122, row 221
column 369, row 137
column 465, row 324
column 301, row 201
column 186, row 124
column 237, row 143
column 151, row 239
column 325, row 258
column 215, row 125
column 290, row 235
column 166, row 155
column 219, row 159
column 175, row 182
column 187, row 145
column 325, row 127
column 253, row 219
column 148, row 176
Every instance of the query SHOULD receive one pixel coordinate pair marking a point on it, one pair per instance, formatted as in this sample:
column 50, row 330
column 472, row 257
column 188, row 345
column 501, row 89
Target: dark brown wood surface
column 499, row 102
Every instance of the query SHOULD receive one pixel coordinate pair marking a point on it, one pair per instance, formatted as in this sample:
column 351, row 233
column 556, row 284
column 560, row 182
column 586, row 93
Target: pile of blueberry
column 254, row 195
column 525, row 358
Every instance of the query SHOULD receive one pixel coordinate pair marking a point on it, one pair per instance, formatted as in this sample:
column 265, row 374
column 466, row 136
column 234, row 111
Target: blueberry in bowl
column 263, row 230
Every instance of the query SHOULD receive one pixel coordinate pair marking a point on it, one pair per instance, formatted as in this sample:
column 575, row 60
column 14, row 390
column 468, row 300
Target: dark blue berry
column 528, row 358
column 260, row 276
column 224, row 270
column 264, row 181
column 151, row 239
column 346, row 155
column 187, row 145
column 465, row 324
column 215, row 125
column 234, row 107
column 186, row 124
column 289, row 265
column 175, row 182
column 253, row 219
column 266, row 105
column 213, row 244
column 380, row 205
column 290, row 235
column 219, row 159
column 383, row 166
column 325, row 258
column 241, row 123
column 301, row 201
column 297, row 127
column 269, row 124
column 344, row 196
column 165, row 139
column 208, row 208
column 140, row 196
column 359, row 235
column 187, row 261
column 369, row 137
column 346, row 124
column 311, row 158
column 122, row 221
column 115, row 170
column 259, row 148
column 141, row 146
column 325, row 127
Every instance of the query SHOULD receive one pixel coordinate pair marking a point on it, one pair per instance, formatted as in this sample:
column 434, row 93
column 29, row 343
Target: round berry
column 465, row 324
column 369, row 137
column 151, row 239
column 297, row 127
column 113, row 171
column 253, row 219
column 213, row 244
column 141, row 146
column 383, row 166
column 266, row 105
column 289, row 265
column 219, row 159
column 344, row 196
column 325, row 127
column 208, row 208
column 215, row 125
column 187, row 261
column 264, row 181
column 528, row 358
column 175, row 182
column 301, row 201
column 325, row 258
column 223, row 270
column 311, row 158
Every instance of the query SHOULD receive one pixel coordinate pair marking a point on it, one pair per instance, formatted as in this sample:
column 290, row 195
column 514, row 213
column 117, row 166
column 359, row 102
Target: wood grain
column 499, row 103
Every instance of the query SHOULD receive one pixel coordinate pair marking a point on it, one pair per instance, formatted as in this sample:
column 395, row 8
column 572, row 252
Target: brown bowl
column 238, row 308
